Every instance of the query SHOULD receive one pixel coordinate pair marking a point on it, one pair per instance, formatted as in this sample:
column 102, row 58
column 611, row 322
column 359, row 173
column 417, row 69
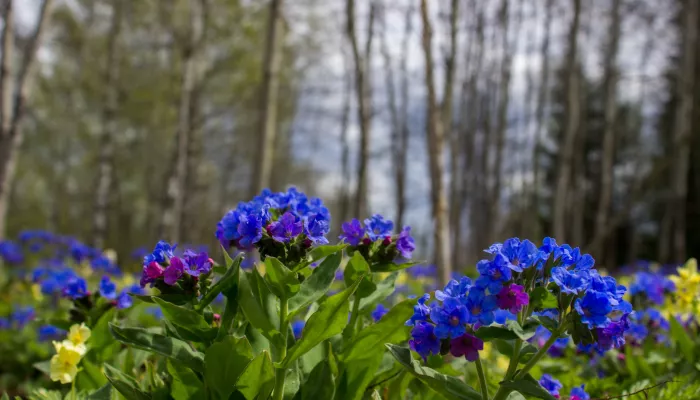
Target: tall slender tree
column 403, row 132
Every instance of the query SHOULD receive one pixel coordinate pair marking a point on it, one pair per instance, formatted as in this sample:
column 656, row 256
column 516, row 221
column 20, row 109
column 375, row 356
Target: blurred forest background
column 123, row 122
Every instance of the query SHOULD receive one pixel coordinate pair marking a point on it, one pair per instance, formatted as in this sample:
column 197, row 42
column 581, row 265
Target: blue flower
column 613, row 335
column 250, row 230
column 353, row 232
column 594, row 308
column 378, row 228
column 480, row 306
column 124, row 300
column 285, row 229
column 419, row 271
column 405, row 243
column 161, row 253
column 316, row 228
column 22, row 316
column 568, row 281
column 75, row 288
column 454, row 289
column 421, row 312
column 549, row 245
column 653, row 286
column 297, row 328
column 450, row 318
column 108, row 289
column 501, row 316
column 50, row 332
column 493, row 273
column 423, row 340
column 638, row 332
column 379, row 312
column 11, row 252
column 550, row 384
column 577, row 393
column 196, row 264
column 520, row 255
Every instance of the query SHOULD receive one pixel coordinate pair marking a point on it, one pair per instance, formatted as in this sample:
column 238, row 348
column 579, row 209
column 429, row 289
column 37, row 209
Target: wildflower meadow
column 281, row 310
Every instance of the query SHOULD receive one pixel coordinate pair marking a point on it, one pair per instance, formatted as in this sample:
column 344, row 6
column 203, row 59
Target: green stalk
column 482, row 380
column 281, row 373
column 354, row 316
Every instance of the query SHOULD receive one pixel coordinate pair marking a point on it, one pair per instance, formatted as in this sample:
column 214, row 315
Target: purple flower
column 421, row 312
column 594, row 308
column 450, row 318
column 174, row 271
column 379, row 312
column 423, row 340
column 316, row 228
column 569, row 281
column 378, row 228
column 352, row 232
column 493, row 273
column 551, row 385
column 286, row 228
column 613, row 335
column 512, row 298
column 250, row 230
column 150, row 273
column 405, row 243
column 108, row 289
column 480, row 307
column 467, row 346
column 197, row 263
column 577, row 393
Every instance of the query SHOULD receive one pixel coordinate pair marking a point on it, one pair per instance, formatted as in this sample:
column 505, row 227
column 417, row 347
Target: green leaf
column 541, row 299
column 228, row 280
column 225, row 361
column 390, row 329
column 103, row 393
column 159, row 344
column 356, row 268
column 515, row 396
column 188, row 320
column 320, row 252
column 550, row 323
column 126, row 385
column 43, row 366
column 90, row 377
column 684, row 342
column 258, row 378
column 448, row 386
column 100, row 336
column 391, row 267
column 327, row 321
column 512, row 330
column 315, row 286
column 280, row 279
column 185, row 383
column 523, row 332
column 320, row 384
column 529, row 386
column 356, row 377
column 384, row 289
column 253, row 309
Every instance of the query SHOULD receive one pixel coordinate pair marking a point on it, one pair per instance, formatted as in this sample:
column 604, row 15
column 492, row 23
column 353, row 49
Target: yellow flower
column 687, row 287
column 36, row 292
column 79, row 334
column 64, row 365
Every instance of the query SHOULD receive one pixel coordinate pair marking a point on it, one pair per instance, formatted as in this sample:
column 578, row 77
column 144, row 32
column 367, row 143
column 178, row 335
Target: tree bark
column 682, row 128
column 608, row 155
column 11, row 135
column 401, row 144
column 364, row 99
column 436, row 153
column 268, row 101
column 105, row 168
column 176, row 197
column 566, row 151
column 345, row 147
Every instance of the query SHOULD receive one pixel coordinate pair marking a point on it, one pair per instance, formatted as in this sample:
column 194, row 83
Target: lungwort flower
column 423, row 340
column 466, row 345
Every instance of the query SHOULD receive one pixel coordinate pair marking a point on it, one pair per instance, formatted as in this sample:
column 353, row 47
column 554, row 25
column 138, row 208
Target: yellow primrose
column 36, row 292
column 687, row 286
column 64, row 365
column 79, row 334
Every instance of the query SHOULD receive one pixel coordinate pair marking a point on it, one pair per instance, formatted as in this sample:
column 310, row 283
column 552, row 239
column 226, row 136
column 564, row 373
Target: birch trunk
column 105, row 169
column 268, row 101
column 401, row 151
column 566, row 151
column 13, row 98
column 608, row 156
column 436, row 153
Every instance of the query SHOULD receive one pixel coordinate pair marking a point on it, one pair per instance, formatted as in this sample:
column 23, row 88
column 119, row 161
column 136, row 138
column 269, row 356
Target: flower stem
column 354, row 316
column 281, row 373
column 482, row 379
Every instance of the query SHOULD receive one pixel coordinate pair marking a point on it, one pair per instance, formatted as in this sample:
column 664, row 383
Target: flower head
column 613, row 335
column 466, row 345
column 108, row 289
column 594, row 308
column 11, row 252
column 423, row 339
column 480, row 306
column 569, row 281
column 493, row 274
column 297, row 328
column 450, row 318
column 454, row 289
column 286, row 228
column 512, row 298
column 353, row 232
column 75, row 288
column 78, row 334
column 379, row 312
column 161, row 253
column 197, row 263
column 405, row 243
column 49, row 332
column 174, row 271
column 520, row 255
column 250, row 230
column 550, row 384
column 64, row 365
column 316, row 227
column 577, row 393
column 421, row 312
column 378, row 227
column 150, row 273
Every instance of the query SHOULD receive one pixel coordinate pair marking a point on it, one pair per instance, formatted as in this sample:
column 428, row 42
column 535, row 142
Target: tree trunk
column 682, row 128
column 502, row 127
column 345, row 148
column 436, row 153
column 11, row 135
column 401, row 144
column 105, row 168
column 174, row 209
column 364, row 99
column 268, row 101
column 566, row 151
column 608, row 151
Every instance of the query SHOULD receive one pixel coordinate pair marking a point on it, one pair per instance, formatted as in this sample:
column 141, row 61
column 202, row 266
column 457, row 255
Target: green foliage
column 316, row 286
column 258, row 378
column 124, row 384
column 225, row 361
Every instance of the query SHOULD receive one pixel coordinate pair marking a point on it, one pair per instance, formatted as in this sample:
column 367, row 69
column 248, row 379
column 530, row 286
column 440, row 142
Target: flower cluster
column 69, row 352
column 553, row 386
column 687, row 283
column 163, row 269
column 282, row 225
column 376, row 240
column 18, row 319
column 653, row 286
column 11, row 252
